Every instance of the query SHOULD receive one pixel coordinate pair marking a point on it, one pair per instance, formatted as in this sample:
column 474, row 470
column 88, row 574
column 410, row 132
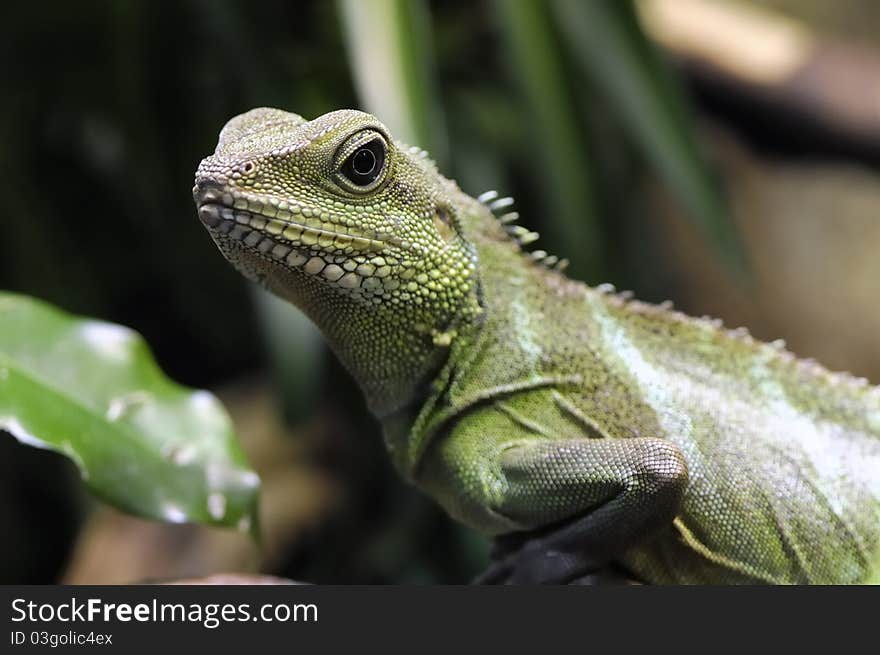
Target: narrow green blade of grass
column 296, row 349
column 552, row 131
column 388, row 44
column 609, row 46
column 92, row 391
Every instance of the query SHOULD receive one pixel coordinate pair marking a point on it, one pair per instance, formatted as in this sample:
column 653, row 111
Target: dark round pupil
column 364, row 162
column 365, row 165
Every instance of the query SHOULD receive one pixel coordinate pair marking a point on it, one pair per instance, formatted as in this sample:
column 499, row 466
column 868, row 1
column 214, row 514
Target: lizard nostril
column 248, row 167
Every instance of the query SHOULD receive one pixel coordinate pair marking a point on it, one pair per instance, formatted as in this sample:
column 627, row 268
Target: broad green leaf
column 566, row 168
column 608, row 44
column 92, row 391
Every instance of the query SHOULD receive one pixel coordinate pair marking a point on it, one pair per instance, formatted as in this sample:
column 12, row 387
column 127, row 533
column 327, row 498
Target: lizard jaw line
column 222, row 218
column 336, row 266
column 214, row 203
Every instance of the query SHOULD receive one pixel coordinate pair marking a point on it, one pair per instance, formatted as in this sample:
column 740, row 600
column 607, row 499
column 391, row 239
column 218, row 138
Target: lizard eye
column 363, row 160
column 365, row 164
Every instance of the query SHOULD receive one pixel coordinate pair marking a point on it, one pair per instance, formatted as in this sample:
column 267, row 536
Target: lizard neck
column 393, row 351
column 393, row 363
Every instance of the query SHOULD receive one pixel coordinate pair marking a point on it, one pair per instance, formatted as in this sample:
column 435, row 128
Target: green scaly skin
column 592, row 428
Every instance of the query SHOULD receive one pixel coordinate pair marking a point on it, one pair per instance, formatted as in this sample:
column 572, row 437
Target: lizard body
column 527, row 403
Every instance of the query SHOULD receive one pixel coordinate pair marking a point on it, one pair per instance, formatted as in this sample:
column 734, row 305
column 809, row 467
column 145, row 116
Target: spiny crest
column 807, row 366
column 623, row 297
column 418, row 152
column 422, row 156
column 502, row 208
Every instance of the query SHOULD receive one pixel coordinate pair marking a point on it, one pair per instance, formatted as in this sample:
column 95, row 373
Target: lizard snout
column 209, row 199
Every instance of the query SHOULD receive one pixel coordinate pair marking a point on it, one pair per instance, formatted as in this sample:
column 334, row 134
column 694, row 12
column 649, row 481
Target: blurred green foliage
column 91, row 391
column 562, row 104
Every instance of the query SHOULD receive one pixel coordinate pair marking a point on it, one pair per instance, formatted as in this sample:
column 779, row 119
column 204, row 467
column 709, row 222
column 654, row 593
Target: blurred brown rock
column 812, row 233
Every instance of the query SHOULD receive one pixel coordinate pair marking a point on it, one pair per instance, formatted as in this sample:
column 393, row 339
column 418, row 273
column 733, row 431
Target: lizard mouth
column 263, row 233
column 290, row 235
column 255, row 221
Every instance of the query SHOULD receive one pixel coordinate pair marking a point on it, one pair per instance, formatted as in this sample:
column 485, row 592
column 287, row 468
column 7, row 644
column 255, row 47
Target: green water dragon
column 580, row 428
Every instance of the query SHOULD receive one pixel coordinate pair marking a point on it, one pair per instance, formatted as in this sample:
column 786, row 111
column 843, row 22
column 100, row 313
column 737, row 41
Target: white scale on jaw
column 288, row 242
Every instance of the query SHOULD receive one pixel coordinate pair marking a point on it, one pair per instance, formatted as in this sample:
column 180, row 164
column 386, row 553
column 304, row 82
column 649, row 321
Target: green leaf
column 610, row 47
column 92, row 391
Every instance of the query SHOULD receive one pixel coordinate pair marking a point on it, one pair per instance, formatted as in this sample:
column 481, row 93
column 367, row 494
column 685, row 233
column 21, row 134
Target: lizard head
column 360, row 232
column 336, row 201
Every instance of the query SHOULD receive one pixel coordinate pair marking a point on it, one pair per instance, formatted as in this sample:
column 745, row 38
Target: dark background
column 108, row 108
